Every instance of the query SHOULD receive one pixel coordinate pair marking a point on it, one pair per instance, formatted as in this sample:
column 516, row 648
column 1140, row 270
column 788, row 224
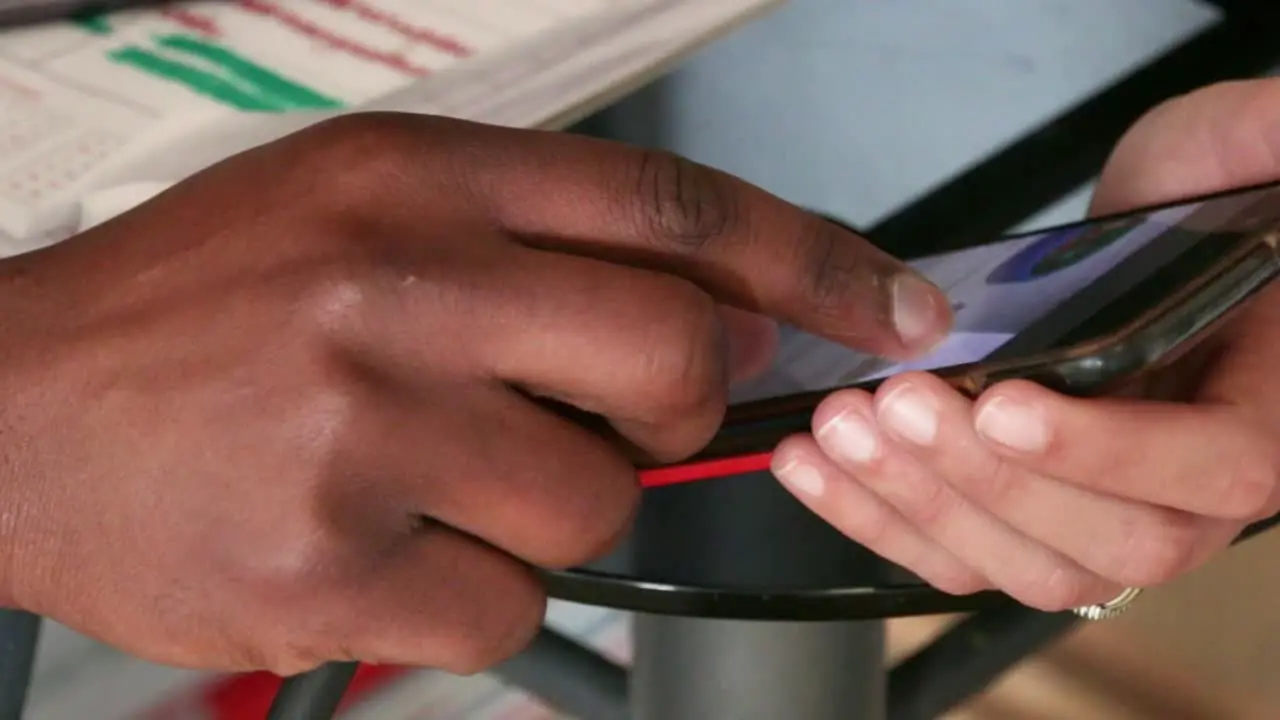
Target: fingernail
column 916, row 316
column 801, row 477
column 850, row 436
column 1014, row 425
column 910, row 413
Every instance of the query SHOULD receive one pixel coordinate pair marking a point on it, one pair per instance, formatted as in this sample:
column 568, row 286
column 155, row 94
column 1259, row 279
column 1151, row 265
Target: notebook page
column 74, row 93
column 78, row 95
column 578, row 68
column 547, row 81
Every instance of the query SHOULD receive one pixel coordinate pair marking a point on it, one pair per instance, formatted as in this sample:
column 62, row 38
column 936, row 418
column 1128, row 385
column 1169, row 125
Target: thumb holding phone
column 1063, row 502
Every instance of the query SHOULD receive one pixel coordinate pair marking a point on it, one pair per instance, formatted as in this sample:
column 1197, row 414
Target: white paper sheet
column 148, row 97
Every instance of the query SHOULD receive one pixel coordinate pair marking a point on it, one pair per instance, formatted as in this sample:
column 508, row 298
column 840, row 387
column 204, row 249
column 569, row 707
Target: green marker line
column 280, row 89
column 202, row 82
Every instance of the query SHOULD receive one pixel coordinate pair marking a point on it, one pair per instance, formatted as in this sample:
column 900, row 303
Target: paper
column 153, row 95
column 81, row 94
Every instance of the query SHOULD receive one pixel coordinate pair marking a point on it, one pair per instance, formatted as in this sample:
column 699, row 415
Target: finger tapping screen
column 1002, row 288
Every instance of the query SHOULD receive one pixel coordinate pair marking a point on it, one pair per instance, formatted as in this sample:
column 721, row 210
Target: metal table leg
column 699, row 669
column 19, row 635
column 570, row 677
column 315, row 695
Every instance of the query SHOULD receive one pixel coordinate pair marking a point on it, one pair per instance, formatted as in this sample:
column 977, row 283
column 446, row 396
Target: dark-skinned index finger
column 741, row 244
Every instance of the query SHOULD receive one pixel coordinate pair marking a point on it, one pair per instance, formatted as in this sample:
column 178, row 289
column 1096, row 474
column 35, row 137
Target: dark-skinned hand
column 313, row 403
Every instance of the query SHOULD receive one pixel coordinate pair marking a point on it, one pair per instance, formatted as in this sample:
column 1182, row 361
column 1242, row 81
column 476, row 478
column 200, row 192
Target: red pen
column 704, row 470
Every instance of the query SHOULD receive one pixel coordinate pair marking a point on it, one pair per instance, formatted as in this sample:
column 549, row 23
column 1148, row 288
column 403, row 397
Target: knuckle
column 300, row 559
column 501, row 638
column 606, row 516
column 869, row 524
column 1062, row 588
column 345, row 294
column 351, row 160
column 1252, row 492
column 360, row 135
column 334, row 300
column 1159, row 550
column 833, row 269
column 996, row 484
column 301, row 562
column 685, row 369
column 956, row 580
column 681, row 204
column 821, row 242
column 927, row 503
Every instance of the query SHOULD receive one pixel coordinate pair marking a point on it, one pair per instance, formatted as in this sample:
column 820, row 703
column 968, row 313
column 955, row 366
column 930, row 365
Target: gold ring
column 1111, row 608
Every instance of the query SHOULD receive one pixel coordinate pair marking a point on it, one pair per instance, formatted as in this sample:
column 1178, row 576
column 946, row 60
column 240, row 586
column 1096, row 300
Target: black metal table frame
column 1011, row 186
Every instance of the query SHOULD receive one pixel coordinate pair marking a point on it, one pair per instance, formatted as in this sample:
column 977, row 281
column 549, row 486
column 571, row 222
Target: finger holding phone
column 1065, row 501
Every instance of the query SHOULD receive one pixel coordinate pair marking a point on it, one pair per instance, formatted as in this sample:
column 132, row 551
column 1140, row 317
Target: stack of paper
column 142, row 98
column 100, row 113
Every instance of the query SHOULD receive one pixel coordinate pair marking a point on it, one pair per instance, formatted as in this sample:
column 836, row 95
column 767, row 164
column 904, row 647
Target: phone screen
column 1002, row 289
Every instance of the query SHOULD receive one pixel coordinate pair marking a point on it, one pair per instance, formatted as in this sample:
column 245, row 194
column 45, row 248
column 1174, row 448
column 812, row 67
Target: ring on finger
column 1111, row 608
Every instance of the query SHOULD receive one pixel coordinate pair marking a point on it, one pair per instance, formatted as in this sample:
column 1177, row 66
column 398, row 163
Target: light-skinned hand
column 1063, row 502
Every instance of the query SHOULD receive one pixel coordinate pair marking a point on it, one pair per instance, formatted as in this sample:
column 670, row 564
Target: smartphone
column 1080, row 308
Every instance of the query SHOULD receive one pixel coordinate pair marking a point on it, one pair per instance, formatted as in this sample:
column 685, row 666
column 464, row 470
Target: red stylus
column 704, row 470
